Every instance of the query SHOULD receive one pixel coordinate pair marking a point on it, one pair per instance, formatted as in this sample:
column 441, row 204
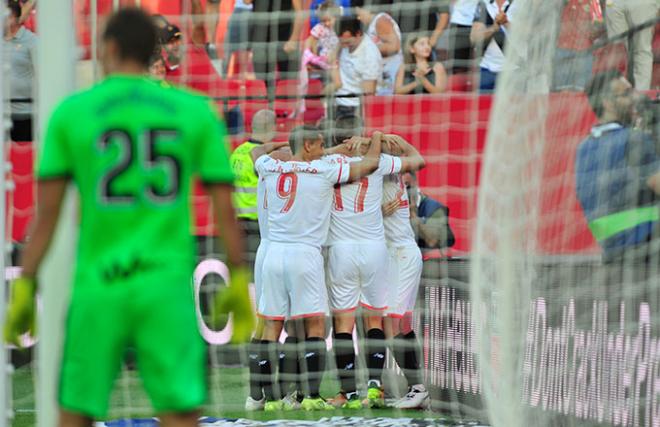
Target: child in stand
column 320, row 48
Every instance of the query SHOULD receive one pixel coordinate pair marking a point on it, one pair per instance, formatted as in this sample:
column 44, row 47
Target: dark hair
column 411, row 39
column 346, row 127
column 300, row 134
column 599, row 88
column 135, row 34
column 351, row 24
column 15, row 8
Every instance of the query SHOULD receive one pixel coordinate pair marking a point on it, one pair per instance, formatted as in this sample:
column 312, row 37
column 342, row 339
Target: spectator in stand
column 20, row 52
column 157, row 69
column 188, row 63
column 491, row 22
column 320, row 48
column 344, row 6
column 460, row 27
column 359, row 67
column 421, row 16
column 275, row 31
column 620, row 16
column 417, row 74
column 238, row 34
column 385, row 32
column 581, row 23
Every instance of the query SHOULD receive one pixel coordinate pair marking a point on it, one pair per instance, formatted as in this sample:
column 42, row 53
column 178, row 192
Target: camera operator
column 618, row 176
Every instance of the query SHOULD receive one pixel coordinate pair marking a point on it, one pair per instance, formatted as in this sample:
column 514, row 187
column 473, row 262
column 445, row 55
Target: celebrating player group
column 315, row 201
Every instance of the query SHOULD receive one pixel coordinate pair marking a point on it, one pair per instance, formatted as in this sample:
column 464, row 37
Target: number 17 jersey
column 132, row 148
column 299, row 198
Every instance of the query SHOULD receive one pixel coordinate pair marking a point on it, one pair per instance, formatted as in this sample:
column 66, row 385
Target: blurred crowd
column 349, row 48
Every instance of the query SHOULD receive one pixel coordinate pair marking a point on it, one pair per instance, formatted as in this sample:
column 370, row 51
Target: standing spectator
column 238, row 33
column 581, row 22
column 417, row 74
column 20, row 53
column 275, row 31
column 491, row 22
column 359, row 67
column 385, row 32
column 460, row 46
column 620, row 16
column 428, row 17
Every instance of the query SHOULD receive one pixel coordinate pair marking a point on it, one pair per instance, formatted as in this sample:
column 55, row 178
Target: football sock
column 254, row 369
column 288, row 365
column 315, row 352
column 405, row 354
column 375, row 353
column 345, row 359
column 267, row 361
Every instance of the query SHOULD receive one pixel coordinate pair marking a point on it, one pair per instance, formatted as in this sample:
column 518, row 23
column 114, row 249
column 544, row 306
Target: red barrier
column 450, row 131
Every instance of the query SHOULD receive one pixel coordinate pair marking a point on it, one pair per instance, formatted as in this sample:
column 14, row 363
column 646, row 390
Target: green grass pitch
column 228, row 389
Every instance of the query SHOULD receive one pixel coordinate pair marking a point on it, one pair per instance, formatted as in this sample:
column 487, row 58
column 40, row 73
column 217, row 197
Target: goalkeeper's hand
column 20, row 310
column 235, row 299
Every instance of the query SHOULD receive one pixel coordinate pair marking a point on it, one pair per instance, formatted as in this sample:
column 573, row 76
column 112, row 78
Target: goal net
column 519, row 320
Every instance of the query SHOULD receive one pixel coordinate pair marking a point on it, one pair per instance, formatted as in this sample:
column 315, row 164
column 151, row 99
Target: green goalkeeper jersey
column 132, row 147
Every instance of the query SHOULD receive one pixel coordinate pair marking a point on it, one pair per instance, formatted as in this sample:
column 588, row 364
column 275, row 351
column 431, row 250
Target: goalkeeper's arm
column 50, row 194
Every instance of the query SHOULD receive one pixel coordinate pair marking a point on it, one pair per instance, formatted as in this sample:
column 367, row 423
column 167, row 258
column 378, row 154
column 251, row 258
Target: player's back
column 398, row 231
column 356, row 213
column 299, row 198
column 132, row 147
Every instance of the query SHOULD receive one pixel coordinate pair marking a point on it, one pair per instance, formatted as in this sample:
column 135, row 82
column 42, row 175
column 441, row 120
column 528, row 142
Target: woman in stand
column 417, row 74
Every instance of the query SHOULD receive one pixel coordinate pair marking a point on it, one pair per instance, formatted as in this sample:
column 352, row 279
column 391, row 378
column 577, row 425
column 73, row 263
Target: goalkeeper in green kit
column 132, row 148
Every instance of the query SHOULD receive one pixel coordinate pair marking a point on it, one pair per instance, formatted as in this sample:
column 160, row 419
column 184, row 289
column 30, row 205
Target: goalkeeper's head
column 128, row 42
column 611, row 97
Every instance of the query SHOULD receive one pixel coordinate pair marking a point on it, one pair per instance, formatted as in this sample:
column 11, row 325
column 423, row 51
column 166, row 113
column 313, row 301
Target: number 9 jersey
column 132, row 147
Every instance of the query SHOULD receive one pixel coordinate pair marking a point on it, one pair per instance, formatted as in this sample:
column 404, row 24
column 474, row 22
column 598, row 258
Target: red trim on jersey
column 263, row 316
column 306, row 315
column 392, row 170
column 341, row 166
column 344, row 310
column 373, row 308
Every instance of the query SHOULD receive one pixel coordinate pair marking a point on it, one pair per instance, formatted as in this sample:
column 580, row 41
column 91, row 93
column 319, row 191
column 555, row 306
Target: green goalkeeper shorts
column 151, row 313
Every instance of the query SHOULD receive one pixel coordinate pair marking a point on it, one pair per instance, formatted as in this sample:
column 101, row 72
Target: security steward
column 245, row 186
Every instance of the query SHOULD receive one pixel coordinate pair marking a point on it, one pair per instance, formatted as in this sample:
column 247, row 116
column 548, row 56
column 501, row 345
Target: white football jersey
column 356, row 213
column 398, row 231
column 262, row 208
column 299, row 198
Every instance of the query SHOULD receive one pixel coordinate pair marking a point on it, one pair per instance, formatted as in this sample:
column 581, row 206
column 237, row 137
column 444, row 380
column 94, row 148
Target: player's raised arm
column 411, row 160
column 369, row 162
column 265, row 149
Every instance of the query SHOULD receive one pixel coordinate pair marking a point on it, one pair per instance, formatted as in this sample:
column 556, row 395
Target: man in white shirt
column 299, row 199
column 460, row 24
column 383, row 30
column 489, row 33
column 357, row 270
column 359, row 69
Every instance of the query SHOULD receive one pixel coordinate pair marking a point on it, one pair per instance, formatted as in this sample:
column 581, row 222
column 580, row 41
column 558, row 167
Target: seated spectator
column 359, row 67
column 491, row 22
column 187, row 64
column 385, row 32
column 20, row 53
column 417, row 74
column 580, row 25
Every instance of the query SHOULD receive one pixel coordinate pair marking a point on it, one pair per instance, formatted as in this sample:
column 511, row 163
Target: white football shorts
column 358, row 276
column 405, row 273
column 293, row 282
